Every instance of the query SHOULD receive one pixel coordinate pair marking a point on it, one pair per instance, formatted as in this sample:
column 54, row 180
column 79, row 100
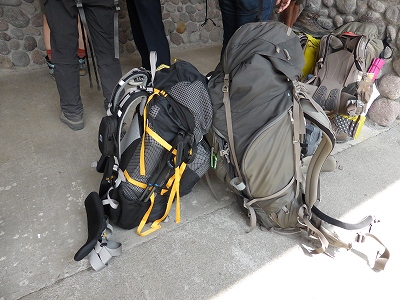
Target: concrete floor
column 46, row 176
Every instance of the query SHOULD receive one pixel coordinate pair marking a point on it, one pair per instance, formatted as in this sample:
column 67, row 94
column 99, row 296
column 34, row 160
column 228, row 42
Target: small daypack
column 343, row 77
column 152, row 146
column 270, row 140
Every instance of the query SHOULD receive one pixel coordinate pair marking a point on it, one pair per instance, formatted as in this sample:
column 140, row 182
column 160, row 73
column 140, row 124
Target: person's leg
column 46, row 40
column 287, row 14
column 100, row 21
column 295, row 14
column 81, row 50
column 236, row 13
column 64, row 45
column 148, row 30
column 247, row 11
column 137, row 32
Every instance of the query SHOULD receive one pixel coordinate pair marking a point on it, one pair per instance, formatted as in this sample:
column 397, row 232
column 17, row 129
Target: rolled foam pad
column 96, row 224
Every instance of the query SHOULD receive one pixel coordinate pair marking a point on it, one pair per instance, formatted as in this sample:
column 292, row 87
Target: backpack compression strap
column 173, row 182
column 237, row 182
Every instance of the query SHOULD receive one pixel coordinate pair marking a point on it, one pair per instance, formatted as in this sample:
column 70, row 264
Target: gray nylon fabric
column 262, row 60
column 259, row 84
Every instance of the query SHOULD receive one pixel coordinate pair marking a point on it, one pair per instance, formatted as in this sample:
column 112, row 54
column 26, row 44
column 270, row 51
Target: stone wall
column 21, row 40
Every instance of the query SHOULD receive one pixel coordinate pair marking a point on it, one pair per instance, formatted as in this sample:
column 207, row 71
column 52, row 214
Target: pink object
column 376, row 67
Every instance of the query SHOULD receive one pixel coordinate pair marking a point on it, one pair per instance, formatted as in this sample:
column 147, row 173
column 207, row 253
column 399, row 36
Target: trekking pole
column 84, row 22
column 86, row 51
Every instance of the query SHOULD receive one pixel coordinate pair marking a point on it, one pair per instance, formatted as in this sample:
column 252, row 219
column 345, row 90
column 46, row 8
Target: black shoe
column 74, row 125
column 82, row 66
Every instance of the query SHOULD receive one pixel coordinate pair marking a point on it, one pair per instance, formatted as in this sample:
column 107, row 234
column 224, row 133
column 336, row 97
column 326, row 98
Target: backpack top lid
column 360, row 28
column 272, row 39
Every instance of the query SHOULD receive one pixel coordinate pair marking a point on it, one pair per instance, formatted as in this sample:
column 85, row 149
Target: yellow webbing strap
column 174, row 193
column 133, row 181
column 155, row 92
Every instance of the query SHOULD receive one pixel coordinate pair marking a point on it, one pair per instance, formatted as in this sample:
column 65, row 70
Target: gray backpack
column 265, row 125
column 342, row 77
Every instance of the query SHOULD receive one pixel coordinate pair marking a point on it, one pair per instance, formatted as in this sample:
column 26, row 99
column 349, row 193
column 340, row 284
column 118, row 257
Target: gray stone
column 325, row 23
column 346, row 6
column 377, row 6
column 337, row 21
column 30, row 43
column 324, row 13
column 123, row 37
column 20, row 58
column 175, row 17
column 200, row 16
column 328, row 3
column 191, row 27
column 37, row 20
column 169, row 27
column 184, row 17
column 30, row 30
column 38, row 57
column 17, row 33
column 14, row 44
column 27, row 8
column 391, row 32
column 194, row 37
column 124, row 25
column 16, row 17
column 393, row 14
column 332, row 12
column 5, row 62
column 215, row 35
column 130, row 48
column 3, row 25
column 40, row 44
column 384, row 111
column 4, row 36
column 312, row 6
column 348, row 19
column 388, row 86
column 4, row 50
column 204, row 36
column 396, row 65
column 176, row 38
column 190, row 9
column 361, row 8
column 200, row 6
column 10, row 2
column 169, row 7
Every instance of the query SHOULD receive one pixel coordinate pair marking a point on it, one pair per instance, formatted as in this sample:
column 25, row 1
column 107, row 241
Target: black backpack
column 152, row 145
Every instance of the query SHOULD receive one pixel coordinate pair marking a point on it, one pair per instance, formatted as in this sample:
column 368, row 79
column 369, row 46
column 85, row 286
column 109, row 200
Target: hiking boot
column 82, row 66
column 340, row 135
column 74, row 125
column 50, row 65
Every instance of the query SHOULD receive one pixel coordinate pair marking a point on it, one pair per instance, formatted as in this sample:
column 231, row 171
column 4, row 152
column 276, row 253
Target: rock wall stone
column 186, row 23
